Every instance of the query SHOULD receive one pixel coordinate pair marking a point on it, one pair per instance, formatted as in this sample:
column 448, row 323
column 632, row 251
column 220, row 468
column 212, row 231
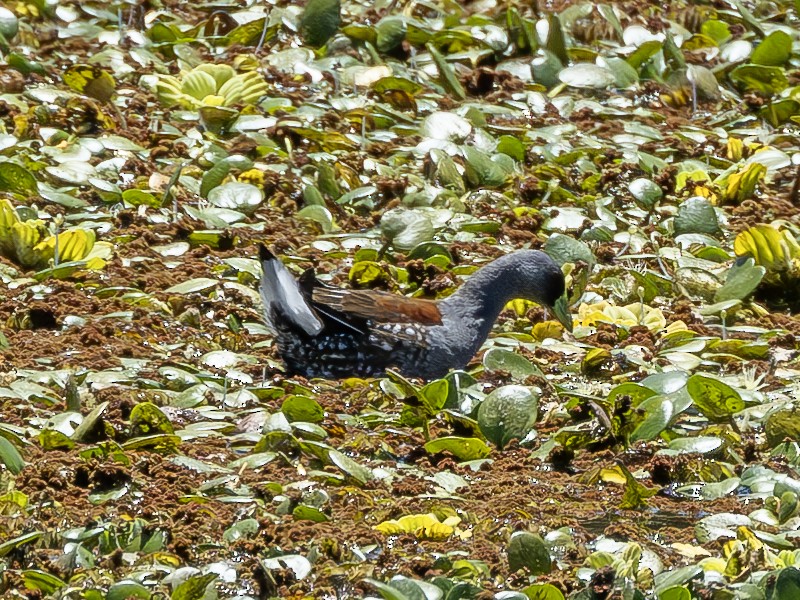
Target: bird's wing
column 282, row 295
column 380, row 307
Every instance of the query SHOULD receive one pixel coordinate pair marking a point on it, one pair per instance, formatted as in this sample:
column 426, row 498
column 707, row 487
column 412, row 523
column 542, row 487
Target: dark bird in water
column 330, row 332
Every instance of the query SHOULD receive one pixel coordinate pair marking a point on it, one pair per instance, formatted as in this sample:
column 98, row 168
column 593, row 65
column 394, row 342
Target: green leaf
column 320, row 215
column 391, row 31
column 134, row 197
column 147, row 419
column 447, row 75
column 303, row 512
column 200, row 284
column 386, row 84
column 460, row 447
column 742, row 280
column 319, row 21
column 390, row 592
column 516, row 365
column 90, row 423
column 428, row 250
column 10, row 456
column 543, row 591
column 302, row 408
column 214, row 176
column 786, row 585
column 565, row 249
column 719, row 489
column 677, row 592
column 528, row 551
column 556, row 43
column 50, row 439
column 658, row 412
column 774, row 50
column 434, row 395
column 43, row 582
column 161, row 442
column 782, row 424
column 249, row 33
column 9, row 24
column 758, row 78
column 635, row 494
column 676, row 577
column 350, row 467
column 645, row 191
column 19, row 541
column 508, row 413
column 193, row 588
column 481, row 170
column 511, row 146
column 696, row 215
column 406, row 229
column 716, row 400
column 17, row 179
column 637, row 393
column 244, row 529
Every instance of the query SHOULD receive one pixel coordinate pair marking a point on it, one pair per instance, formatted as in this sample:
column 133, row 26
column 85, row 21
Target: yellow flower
column 254, row 176
column 734, row 149
column 589, row 315
column 423, row 526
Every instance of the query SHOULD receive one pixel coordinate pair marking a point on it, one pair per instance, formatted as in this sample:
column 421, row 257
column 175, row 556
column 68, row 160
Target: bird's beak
column 561, row 311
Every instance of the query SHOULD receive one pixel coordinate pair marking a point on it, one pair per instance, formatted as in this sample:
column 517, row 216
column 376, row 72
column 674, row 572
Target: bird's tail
column 282, row 296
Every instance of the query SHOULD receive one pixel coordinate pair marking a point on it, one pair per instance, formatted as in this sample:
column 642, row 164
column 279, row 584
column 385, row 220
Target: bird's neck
column 481, row 298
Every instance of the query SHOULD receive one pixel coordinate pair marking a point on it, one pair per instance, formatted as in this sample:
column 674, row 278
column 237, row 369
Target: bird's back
column 331, row 333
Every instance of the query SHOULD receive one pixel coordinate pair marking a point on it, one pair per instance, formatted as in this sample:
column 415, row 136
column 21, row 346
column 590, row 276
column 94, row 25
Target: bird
column 334, row 333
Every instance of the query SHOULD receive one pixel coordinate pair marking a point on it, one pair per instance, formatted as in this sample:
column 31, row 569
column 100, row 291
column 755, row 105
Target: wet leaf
column 91, row 81
column 302, row 408
column 11, row 457
column 519, row 367
column 543, row 591
column 319, row 21
column 147, row 419
column 528, row 551
column 447, row 76
column 508, row 413
column 19, row 541
column 406, row 229
column 645, row 191
column 242, row 197
column 774, row 50
column 40, row 581
column 350, row 467
column 741, row 281
column 17, row 179
column 461, row 448
column 716, row 400
column 658, row 412
column 781, row 425
column 696, row 215
column 193, row 588
column 201, row 284
column 699, row 445
column 586, row 75
column 758, row 78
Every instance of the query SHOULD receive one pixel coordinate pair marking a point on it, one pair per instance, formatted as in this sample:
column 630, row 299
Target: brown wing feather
column 379, row 306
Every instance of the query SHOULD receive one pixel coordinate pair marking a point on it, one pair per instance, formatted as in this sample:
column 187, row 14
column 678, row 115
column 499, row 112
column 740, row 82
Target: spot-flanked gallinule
column 331, row 332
